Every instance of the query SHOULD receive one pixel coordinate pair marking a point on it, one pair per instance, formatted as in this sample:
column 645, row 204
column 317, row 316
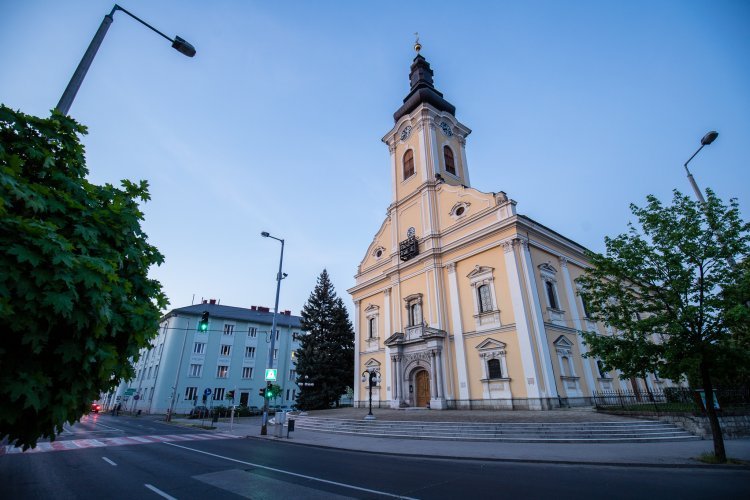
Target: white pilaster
column 573, row 308
column 357, row 350
column 539, row 331
column 394, row 171
column 458, row 334
column 387, row 333
column 523, row 330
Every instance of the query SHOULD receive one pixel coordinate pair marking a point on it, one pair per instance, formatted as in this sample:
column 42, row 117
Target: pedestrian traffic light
column 262, row 392
column 269, row 392
column 203, row 325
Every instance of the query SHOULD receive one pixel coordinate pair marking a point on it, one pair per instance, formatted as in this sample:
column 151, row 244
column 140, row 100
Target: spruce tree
column 325, row 358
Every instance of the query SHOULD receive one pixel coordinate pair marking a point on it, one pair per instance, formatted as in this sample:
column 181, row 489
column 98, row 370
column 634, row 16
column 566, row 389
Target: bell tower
column 427, row 143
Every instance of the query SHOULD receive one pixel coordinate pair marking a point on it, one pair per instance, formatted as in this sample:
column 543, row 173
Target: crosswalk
column 79, row 444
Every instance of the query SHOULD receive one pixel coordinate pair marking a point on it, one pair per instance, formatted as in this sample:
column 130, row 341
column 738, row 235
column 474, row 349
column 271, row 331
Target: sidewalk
column 678, row 454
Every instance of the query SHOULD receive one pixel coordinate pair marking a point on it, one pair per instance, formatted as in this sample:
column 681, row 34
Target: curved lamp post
column 280, row 276
column 372, row 378
column 71, row 90
column 705, row 141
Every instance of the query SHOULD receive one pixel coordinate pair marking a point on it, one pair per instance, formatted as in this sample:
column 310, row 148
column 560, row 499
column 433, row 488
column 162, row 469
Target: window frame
column 447, row 150
column 408, row 161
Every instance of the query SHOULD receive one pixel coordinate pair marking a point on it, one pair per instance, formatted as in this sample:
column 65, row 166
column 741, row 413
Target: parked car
column 95, row 407
column 200, row 412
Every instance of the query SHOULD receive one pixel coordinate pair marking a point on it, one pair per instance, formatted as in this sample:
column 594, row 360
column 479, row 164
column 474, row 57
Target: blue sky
column 275, row 124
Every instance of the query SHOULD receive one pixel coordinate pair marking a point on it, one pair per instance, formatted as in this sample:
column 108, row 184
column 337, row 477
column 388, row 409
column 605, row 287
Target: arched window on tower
column 450, row 164
column 408, row 164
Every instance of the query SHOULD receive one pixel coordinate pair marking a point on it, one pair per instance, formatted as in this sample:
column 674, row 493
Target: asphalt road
column 133, row 458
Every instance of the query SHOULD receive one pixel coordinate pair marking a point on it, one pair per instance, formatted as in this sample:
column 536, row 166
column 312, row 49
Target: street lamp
column 179, row 44
column 373, row 379
column 707, row 139
column 280, row 276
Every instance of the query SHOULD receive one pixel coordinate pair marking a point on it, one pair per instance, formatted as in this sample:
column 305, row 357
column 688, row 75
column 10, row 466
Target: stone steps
column 562, row 432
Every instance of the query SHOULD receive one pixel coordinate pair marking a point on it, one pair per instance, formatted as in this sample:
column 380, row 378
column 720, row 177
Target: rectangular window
column 161, row 348
column 218, row 394
column 252, row 332
column 190, row 393
column 149, row 372
column 195, row 371
column 156, row 370
column 292, row 375
column 249, row 352
column 199, row 348
column 222, row 371
column 551, row 295
column 275, row 353
column 247, row 372
column 226, row 349
column 287, row 394
column 485, row 299
column 371, row 328
column 228, row 329
column 277, row 335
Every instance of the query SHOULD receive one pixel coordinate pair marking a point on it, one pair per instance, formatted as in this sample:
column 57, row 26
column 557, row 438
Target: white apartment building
column 231, row 355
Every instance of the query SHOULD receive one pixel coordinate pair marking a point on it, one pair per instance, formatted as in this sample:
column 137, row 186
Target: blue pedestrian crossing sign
column 271, row 374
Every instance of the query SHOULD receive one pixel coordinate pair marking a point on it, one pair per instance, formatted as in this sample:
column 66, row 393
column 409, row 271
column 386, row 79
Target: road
column 127, row 457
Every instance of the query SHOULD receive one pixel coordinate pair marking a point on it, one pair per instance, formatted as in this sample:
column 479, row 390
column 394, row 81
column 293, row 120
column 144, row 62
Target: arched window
column 485, row 299
column 408, row 164
column 450, row 164
column 493, row 368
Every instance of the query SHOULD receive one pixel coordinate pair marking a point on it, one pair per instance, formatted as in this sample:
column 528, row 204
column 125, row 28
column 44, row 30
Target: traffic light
column 203, row 325
column 262, row 392
column 269, row 392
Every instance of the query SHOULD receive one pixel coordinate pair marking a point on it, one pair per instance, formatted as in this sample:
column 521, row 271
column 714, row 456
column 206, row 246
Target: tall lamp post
column 707, row 139
column 71, row 90
column 372, row 378
column 280, row 276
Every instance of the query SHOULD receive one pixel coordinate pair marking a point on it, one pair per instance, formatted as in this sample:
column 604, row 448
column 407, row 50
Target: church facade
column 461, row 302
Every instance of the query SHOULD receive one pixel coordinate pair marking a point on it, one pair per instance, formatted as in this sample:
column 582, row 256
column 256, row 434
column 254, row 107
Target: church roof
column 422, row 90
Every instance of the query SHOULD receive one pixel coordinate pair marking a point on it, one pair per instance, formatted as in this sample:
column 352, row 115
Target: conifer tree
column 325, row 358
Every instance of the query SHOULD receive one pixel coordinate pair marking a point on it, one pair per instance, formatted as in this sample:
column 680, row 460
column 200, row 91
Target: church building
column 460, row 301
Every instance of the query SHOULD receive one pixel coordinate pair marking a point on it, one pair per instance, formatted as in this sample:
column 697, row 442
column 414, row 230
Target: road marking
column 77, row 444
column 281, row 471
column 110, row 462
column 159, row 492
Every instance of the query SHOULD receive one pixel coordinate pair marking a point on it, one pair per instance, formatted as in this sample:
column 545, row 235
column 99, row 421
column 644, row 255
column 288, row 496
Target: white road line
column 159, row 492
column 110, row 462
column 292, row 473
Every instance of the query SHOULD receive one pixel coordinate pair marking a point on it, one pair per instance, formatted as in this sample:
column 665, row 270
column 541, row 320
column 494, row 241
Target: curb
column 696, row 465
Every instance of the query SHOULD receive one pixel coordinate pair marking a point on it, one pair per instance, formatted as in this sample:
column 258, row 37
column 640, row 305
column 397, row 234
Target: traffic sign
column 207, row 392
column 271, row 374
column 136, row 397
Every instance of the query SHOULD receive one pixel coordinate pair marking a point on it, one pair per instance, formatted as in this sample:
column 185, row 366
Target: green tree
column 325, row 357
column 76, row 302
column 661, row 289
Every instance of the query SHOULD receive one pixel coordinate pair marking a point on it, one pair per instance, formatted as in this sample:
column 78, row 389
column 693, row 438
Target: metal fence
column 673, row 399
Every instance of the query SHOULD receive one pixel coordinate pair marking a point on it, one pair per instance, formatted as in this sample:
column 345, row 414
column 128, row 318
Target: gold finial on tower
column 417, row 45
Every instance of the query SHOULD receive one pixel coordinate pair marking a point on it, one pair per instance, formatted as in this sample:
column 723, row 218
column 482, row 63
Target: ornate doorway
column 422, row 381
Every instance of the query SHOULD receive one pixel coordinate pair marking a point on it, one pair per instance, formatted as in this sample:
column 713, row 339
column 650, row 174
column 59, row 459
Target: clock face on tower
column 446, row 129
column 406, row 133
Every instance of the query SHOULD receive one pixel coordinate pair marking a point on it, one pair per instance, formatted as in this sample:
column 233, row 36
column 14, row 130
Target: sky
column 578, row 108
